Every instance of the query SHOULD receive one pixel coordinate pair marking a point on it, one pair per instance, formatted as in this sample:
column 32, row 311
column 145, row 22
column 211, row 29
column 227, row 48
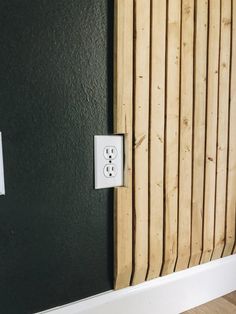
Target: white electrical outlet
column 110, row 152
column 2, row 185
column 110, row 170
column 108, row 161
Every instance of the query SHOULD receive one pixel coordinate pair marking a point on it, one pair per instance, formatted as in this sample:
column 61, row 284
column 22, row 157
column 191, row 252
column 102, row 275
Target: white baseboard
column 171, row 294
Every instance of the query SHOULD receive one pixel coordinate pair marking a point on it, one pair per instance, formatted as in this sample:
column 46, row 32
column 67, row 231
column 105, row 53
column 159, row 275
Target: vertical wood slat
column 172, row 135
column 211, row 132
column 141, row 134
column 222, row 143
column 231, row 194
column 123, row 102
column 200, row 71
column 157, row 130
column 186, row 118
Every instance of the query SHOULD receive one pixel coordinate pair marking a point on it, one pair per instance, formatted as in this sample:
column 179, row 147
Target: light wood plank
column 200, row 72
column 186, row 119
column 231, row 194
column 172, row 135
column 218, row 306
column 212, row 106
column 222, row 143
column 123, row 102
column 141, row 133
column 231, row 297
column 157, row 138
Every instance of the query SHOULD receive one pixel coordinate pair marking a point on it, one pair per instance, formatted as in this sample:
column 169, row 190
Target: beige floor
column 224, row 305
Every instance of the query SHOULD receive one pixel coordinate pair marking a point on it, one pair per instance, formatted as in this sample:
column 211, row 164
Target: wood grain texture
column 172, row 135
column 222, row 142
column 231, row 195
column 231, row 297
column 157, row 137
column 211, row 132
column 219, row 306
column 186, row 121
column 123, row 103
column 141, row 138
column 200, row 72
column 175, row 102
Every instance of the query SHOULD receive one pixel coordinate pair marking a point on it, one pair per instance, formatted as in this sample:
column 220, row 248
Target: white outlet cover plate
column 2, row 185
column 100, row 143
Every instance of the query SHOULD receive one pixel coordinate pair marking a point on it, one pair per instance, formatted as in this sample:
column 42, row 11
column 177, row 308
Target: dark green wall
column 56, row 237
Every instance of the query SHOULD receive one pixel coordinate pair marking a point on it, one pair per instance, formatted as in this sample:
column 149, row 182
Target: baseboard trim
column 171, row 294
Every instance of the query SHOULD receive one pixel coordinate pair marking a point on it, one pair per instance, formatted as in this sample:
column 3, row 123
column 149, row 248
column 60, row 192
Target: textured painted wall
column 55, row 94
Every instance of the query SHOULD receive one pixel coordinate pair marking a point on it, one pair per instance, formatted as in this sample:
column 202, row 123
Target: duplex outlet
column 110, row 152
column 110, row 170
column 108, row 161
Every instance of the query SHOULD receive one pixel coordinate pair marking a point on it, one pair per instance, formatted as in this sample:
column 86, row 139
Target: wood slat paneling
column 222, row 142
column 211, row 129
column 123, row 104
column 200, row 72
column 186, row 121
column 157, row 137
column 172, row 135
column 231, row 187
column 141, row 137
column 175, row 103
